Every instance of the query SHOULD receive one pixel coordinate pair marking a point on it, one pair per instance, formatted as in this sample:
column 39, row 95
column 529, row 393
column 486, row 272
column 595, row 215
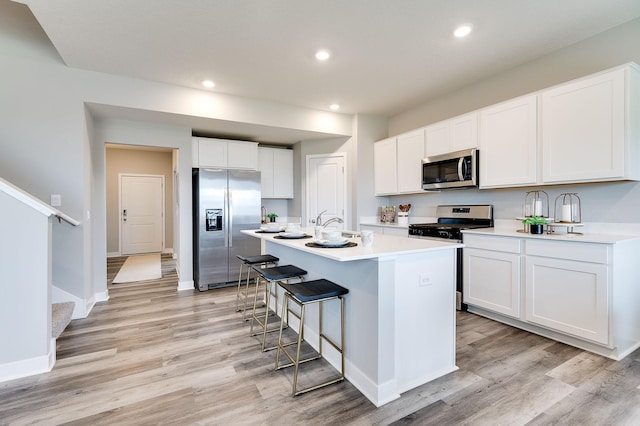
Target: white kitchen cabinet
column 451, row 135
column 410, row 151
column 398, row 164
column 276, row 172
column 492, row 274
column 226, row 154
column 568, row 296
column 385, row 166
column 583, row 292
column 508, row 143
column 590, row 128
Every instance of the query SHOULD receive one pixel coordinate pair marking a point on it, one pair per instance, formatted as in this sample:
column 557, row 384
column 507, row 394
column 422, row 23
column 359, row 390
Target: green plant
column 535, row 220
column 272, row 215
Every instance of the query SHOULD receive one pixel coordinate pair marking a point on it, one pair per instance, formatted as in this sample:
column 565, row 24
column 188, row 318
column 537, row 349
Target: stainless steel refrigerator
column 224, row 203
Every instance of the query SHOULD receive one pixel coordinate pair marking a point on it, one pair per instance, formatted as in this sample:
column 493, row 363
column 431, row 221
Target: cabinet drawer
column 583, row 252
column 511, row 245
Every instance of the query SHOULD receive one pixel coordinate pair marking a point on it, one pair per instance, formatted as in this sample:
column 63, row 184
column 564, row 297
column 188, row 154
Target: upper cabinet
column 452, row 135
column 385, row 166
column 508, row 143
column 410, row 155
column 398, row 164
column 276, row 172
column 224, row 153
column 590, row 128
column 586, row 130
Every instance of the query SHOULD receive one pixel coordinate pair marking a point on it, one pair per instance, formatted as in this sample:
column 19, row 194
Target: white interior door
column 326, row 187
column 141, row 214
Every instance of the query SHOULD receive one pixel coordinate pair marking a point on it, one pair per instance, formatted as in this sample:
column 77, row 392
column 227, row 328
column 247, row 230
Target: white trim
column 186, row 285
column 30, row 366
column 33, row 202
column 59, row 295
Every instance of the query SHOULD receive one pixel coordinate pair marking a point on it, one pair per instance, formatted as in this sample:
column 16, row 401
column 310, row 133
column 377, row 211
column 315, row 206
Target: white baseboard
column 185, row 285
column 29, row 367
column 114, row 254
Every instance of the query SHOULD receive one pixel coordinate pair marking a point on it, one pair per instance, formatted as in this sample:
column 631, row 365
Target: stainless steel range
column 451, row 220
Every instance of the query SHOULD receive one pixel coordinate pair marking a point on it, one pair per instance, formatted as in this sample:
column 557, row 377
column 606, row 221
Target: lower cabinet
column 492, row 280
column 585, row 291
column 568, row 296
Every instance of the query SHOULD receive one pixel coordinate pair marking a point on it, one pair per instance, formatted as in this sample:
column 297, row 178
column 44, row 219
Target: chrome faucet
column 318, row 221
column 333, row 219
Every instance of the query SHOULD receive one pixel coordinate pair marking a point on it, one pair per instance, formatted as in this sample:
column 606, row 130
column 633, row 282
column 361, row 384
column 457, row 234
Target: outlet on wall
column 424, row 280
column 56, row 200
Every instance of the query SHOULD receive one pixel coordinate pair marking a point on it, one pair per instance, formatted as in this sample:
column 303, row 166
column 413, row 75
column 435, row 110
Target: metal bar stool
column 317, row 291
column 261, row 260
column 271, row 276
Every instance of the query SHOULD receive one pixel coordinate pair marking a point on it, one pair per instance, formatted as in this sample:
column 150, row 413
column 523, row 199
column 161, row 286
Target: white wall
column 609, row 49
column 50, row 144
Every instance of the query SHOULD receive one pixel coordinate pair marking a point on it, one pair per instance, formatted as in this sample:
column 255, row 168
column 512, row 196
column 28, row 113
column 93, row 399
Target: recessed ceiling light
column 322, row 55
column 208, row 84
column 462, row 31
column 334, row 107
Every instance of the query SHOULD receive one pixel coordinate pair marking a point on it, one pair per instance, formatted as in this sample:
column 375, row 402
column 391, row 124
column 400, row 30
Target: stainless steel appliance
column 456, row 170
column 451, row 220
column 224, row 203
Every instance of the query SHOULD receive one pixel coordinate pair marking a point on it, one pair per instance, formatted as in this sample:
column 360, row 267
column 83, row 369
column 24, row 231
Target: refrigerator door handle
column 226, row 217
column 230, row 216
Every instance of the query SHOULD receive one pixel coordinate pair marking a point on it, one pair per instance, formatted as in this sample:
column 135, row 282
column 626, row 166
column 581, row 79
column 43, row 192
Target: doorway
column 326, row 187
column 141, row 214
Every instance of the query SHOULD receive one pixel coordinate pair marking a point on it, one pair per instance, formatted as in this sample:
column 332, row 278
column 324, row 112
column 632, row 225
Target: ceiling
column 387, row 56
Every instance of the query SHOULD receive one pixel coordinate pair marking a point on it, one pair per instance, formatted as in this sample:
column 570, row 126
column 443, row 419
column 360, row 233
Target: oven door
column 450, row 171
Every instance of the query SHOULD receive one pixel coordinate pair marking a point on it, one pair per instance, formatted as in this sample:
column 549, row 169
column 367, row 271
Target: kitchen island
column 399, row 313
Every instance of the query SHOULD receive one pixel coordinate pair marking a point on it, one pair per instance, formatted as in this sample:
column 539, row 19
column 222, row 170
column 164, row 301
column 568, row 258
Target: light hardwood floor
column 152, row 355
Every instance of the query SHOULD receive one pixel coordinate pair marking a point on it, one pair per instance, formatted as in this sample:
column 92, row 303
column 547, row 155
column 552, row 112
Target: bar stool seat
column 271, row 275
column 316, row 291
column 262, row 260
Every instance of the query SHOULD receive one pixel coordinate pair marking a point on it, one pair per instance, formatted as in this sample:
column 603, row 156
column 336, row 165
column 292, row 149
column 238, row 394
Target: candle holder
column 567, row 212
column 536, row 203
column 568, row 208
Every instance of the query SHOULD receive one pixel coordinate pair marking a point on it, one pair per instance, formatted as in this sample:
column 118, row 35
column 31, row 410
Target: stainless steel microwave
column 455, row 170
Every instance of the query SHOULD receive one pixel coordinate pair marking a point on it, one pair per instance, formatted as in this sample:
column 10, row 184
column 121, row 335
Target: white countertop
column 383, row 246
column 586, row 237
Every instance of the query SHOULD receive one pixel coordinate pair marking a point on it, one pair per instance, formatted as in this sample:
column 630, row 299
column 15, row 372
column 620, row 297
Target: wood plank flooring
column 153, row 355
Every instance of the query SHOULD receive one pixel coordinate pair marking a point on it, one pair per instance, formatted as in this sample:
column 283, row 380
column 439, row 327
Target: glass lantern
column 568, row 208
column 536, row 203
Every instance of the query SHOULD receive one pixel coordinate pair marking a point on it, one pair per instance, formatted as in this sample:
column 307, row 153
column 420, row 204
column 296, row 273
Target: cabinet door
column 491, row 280
column 282, row 173
column 508, row 143
column 212, row 153
column 410, row 151
column 464, row 132
column 583, row 135
column 242, row 155
column 385, row 167
column 265, row 165
column 437, row 139
column 568, row 296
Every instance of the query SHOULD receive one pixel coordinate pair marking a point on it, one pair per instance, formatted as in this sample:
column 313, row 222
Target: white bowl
column 331, row 235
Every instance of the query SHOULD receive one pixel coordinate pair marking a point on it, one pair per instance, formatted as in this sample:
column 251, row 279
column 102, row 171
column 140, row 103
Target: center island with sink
column 399, row 313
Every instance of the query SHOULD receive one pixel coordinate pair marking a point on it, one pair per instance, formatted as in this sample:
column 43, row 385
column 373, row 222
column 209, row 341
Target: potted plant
column 272, row 217
column 535, row 223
